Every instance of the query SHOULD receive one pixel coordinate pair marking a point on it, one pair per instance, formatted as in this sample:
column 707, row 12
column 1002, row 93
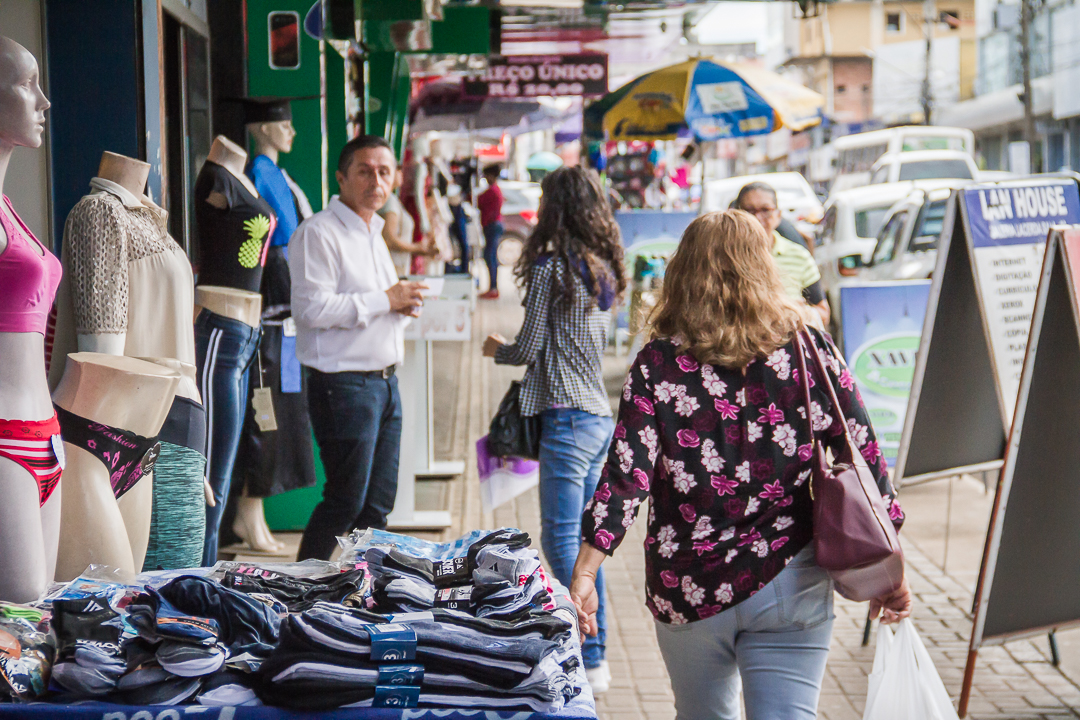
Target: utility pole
column 1025, row 64
column 929, row 23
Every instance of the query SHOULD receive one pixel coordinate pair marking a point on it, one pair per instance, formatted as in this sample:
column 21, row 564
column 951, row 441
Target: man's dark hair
column 754, row 187
column 364, row 142
column 492, row 170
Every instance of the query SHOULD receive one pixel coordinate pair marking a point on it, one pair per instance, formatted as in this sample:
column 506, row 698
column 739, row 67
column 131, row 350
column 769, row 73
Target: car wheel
column 510, row 248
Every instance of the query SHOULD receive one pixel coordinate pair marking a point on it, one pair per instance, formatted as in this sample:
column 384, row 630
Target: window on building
column 951, row 18
column 894, row 22
column 841, row 89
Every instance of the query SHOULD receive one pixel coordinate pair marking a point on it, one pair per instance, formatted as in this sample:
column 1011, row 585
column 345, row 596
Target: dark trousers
column 356, row 418
column 493, row 233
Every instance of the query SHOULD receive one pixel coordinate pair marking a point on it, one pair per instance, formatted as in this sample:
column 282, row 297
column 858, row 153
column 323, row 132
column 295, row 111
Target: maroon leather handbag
column 854, row 539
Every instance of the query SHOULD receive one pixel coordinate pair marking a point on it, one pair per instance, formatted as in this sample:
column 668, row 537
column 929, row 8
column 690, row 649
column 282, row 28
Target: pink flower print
column 727, row 534
column 778, row 543
column 846, row 380
column 771, row 414
column 626, row 387
column 724, row 594
column 643, row 405
column 625, row 454
column 734, row 507
column 772, row 491
column 641, row 479
column 726, row 409
column 733, row 433
column 92, row 444
column 685, row 405
column 689, row 514
column 806, row 452
column 780, row 362
column 803, row 476
column 723, row 485
column 620, row 431
column 703, row 547
column 750, row 537
column 692, row 592
column 703, row 528
column 744, row 581
column 784, row 436
column 687, row 363
column 785, row 502
column 760, row 548
column 669, row 579
column 710, row 458
column 116, row 477
column 896, row 513
column 740, row 397
column 688, row 438
column 742, row 472
column 629, row 511
column 649, row 439
column 761, row 469
column 783, row 523
column 757, row 394
column 870, row 452
column 664, row 391
column 603, row 493
column 751, row 507
column 677, row 618
column 666, row 538
column 713, row 385
column 707, row 611
column 859, row 433
column 603, row 539
column 753, row 432
column 731, row 554
column 599, row 512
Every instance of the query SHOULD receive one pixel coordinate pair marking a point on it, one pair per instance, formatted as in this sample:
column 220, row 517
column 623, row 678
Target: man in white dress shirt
column 350, row 312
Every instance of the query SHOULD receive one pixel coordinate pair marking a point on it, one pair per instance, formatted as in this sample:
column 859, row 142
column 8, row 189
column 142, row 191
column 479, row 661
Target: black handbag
column 510, row 434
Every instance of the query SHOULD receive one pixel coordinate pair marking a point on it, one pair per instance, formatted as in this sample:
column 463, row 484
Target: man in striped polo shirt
column 798, row 271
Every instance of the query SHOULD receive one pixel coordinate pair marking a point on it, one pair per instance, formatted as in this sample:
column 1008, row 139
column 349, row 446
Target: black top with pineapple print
column 232, row 242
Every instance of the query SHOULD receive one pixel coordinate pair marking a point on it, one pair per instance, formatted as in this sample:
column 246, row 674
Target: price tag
column 288, row 327
column 452, row 572
column 396, row 696
column 263, row 404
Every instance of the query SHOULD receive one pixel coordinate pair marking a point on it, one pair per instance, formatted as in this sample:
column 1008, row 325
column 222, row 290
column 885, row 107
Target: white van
column 857, row 154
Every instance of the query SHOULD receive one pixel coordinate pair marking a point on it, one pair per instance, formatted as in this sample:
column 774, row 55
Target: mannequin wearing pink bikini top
column 29, row 274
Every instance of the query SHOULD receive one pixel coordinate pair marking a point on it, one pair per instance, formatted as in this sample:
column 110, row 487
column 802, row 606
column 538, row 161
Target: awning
column 999, row 108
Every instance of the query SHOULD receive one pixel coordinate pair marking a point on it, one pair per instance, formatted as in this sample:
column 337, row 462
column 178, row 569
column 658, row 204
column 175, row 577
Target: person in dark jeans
column 350, row 312
column 490, row 204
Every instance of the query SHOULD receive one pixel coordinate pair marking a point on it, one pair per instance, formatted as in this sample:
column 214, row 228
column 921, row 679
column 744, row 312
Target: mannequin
column 415, row 189
column 234, row 225
column 128, row 395
column 274, row 461
column 29, row 528
column 129, row 290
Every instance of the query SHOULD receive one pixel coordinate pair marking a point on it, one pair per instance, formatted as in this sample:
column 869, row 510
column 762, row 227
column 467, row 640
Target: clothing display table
column 397, row 628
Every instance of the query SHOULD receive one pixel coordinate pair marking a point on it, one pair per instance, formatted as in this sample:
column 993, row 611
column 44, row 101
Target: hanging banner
column 881, row 330
column 1031, row 562
column 518, row 76
column 978, row 317
column 1008, row 224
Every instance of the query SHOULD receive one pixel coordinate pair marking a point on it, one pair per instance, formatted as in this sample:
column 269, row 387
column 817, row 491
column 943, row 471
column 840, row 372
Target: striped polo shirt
column 798, row 270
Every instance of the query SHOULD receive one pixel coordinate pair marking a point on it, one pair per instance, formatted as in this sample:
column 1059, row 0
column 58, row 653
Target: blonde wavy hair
column 722, row 296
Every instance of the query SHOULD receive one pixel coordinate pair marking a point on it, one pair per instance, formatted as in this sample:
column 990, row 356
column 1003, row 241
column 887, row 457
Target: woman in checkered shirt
column 572, row 271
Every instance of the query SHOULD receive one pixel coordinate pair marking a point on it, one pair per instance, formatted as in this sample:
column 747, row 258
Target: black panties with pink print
column 127, row 456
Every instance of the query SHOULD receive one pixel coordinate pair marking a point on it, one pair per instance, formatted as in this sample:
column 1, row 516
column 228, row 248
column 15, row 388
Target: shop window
column 284, row 40
column 894, row 22
column 841, row 89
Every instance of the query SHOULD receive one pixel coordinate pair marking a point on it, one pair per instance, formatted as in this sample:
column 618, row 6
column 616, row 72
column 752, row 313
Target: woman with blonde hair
column 714, row 431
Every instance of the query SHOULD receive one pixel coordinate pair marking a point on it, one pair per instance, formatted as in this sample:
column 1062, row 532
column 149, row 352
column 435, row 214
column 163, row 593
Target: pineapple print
column 251, row 250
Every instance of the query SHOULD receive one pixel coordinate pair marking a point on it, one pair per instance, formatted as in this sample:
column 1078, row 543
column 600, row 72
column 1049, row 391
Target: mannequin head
column 127, row 172
column 22, row 103
column 275, row 136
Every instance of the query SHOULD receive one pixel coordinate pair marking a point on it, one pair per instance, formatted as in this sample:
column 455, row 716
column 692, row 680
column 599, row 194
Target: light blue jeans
column 573, row 448
column 777, row 640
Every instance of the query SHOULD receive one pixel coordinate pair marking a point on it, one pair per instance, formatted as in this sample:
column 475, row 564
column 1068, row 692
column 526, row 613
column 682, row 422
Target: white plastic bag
column 503, row 479
column 904, row 683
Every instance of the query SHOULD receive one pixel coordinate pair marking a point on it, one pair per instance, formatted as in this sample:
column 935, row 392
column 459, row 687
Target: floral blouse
column 724, row 460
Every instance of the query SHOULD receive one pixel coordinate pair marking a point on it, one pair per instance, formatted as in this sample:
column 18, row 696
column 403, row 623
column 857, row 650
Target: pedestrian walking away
column 351, row 311
column 713, row 430
column 572, row 270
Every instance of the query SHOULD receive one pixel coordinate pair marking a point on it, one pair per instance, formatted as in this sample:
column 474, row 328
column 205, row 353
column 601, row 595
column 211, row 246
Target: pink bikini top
column 28, row 280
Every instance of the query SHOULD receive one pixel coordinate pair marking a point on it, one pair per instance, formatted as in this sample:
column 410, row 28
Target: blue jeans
column 460, row 230
column 493, row 233
column 573, row 448
column 777, row 640
column 224, row 349
column 357, row 422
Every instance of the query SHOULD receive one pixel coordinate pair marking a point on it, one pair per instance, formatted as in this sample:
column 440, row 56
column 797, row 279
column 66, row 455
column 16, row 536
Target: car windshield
column 932, row 142
column 868, row 221
column 933, row 219
column 930, row 169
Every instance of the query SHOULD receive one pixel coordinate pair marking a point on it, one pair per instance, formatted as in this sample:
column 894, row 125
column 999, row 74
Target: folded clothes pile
column 298, row 593
column 330, row 656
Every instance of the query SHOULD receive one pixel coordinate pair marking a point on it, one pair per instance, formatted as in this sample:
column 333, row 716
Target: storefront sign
column 1008, row 225
column 882, row 326
column 517, row 76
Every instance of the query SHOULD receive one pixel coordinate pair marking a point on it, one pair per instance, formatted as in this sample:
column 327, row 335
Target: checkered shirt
column 562, row 345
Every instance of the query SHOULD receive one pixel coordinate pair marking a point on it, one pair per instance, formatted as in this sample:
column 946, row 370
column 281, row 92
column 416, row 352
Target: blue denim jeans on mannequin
column 573, row 448
column 224, row 349
column 777, row 641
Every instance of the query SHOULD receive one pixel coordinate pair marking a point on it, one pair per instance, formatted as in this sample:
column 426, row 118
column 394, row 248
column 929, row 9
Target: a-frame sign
column 973, row 342
column 1031, row 562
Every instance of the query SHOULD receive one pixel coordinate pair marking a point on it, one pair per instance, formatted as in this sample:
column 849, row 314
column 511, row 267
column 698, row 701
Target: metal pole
column 929, row 21
column 1025, row 61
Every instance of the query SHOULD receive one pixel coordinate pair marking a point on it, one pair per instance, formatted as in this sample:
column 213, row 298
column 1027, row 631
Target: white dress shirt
column 341, row 270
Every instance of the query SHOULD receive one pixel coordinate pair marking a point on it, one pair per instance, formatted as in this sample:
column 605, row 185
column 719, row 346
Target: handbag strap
column 804, row 378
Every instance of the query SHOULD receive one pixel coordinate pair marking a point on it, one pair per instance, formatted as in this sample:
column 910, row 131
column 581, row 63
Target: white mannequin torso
column 124, row 393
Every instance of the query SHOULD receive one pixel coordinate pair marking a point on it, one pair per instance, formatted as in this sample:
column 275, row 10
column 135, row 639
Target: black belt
column 386, row 373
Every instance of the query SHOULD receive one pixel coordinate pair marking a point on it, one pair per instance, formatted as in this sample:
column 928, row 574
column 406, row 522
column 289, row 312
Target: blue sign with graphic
column 1020, row 213
column 882, row 329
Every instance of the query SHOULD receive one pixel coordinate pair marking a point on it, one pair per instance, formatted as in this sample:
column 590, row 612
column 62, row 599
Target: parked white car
column 797, row 200
column 906, row 246
column 923, row 165
column 848, row 233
